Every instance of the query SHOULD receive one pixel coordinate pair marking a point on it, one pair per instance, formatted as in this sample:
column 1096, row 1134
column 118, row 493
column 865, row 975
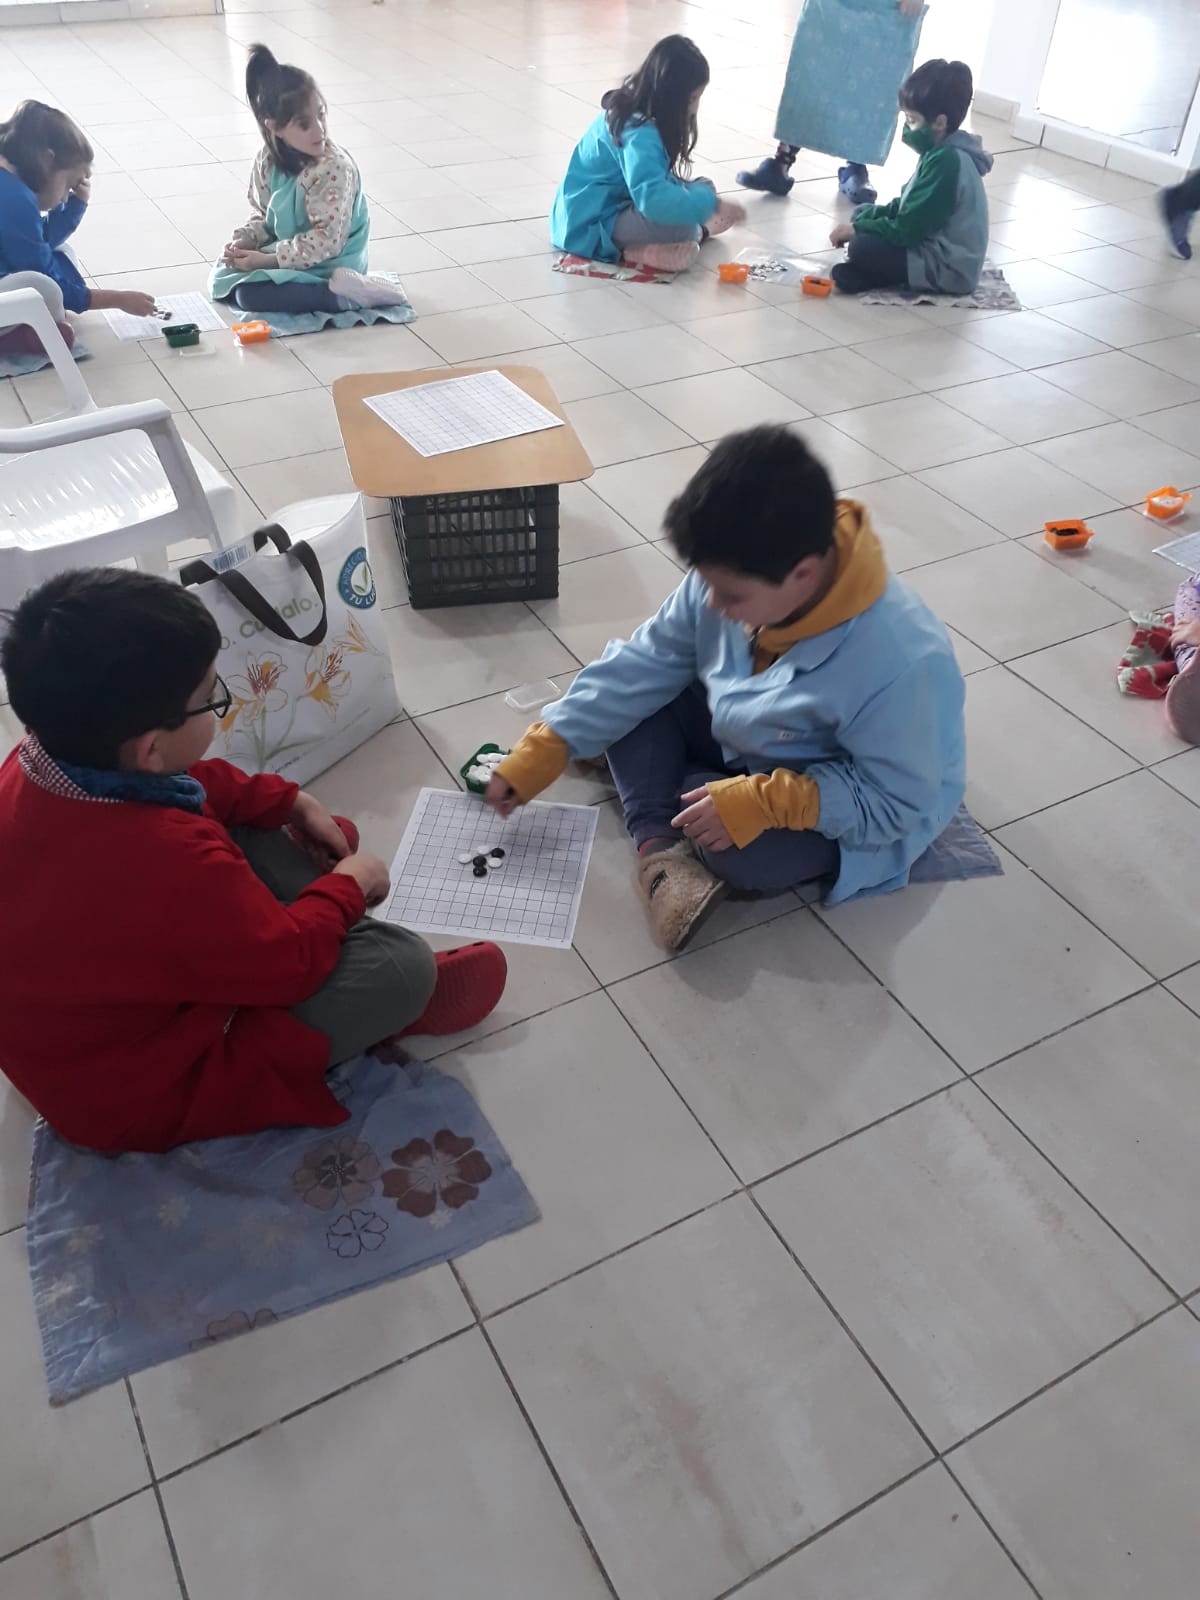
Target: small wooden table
column 473, row 525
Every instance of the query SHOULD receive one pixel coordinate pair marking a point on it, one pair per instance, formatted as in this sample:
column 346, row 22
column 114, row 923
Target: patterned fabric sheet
column 137, row 1259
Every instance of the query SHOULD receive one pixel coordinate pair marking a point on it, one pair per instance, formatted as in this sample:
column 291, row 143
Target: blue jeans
column 291, row 299
column 673, row 752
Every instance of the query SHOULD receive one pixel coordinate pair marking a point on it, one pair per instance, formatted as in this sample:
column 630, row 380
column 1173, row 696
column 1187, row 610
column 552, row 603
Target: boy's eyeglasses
column 218, row 706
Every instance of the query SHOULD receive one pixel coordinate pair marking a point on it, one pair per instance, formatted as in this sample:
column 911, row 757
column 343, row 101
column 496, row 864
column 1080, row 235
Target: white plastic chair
column 98, row 484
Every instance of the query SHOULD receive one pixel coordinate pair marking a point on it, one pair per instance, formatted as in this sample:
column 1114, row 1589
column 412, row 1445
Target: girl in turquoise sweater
column 304, row 247
column 934, row 235
column 627, row 194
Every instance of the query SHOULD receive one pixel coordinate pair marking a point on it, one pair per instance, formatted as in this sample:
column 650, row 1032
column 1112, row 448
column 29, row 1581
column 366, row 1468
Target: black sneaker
column 1178, row 225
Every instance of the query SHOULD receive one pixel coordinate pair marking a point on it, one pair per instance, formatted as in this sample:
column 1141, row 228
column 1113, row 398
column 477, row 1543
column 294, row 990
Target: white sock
column 363, row 290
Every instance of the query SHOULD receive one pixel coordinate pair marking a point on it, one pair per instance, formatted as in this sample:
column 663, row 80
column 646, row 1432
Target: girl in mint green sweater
column 934, row 235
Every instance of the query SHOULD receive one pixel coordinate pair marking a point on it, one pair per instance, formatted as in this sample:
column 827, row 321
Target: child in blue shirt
column 304, row 247
column 792, row 713
column 626, row 194
column 45, row 186
column 934, row 235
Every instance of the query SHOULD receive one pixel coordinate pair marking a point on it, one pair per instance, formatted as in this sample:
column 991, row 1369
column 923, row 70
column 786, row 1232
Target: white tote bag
column 303, row 650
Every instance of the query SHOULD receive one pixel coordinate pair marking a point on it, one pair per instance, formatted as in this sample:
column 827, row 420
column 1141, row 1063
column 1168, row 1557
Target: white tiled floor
column 868, row 1260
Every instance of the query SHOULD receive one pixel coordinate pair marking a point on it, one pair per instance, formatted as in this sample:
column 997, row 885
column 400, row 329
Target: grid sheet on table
column 456, row 413
column 532, row 899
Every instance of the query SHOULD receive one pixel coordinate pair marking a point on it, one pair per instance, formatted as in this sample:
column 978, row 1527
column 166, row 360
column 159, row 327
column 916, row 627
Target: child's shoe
column 679, row 892
column 363, row 290
column 1178, row 224
column 664, row 257
column 854, row 181
column 727, row 215
column 1183, row 702
column 769, row 175
column 470, row 981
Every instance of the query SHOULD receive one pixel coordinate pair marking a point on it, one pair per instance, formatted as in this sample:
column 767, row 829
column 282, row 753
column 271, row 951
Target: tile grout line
column 926, row 1466
column 75, row 1522
column 168, row 1532
column 1077, row 1191
column 535, row 1435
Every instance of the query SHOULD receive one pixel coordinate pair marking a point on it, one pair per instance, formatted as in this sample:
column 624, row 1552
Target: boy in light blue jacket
column 625, row 195
column 792, row 713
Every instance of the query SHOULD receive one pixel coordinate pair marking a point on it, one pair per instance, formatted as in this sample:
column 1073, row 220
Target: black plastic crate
column 468, row 549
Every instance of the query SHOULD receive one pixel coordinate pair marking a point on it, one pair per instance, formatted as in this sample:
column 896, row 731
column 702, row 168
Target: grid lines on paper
column 532, row 899
column 457, row 413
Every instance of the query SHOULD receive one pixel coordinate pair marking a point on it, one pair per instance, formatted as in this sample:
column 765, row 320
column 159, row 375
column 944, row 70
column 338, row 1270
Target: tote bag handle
column 243, row 591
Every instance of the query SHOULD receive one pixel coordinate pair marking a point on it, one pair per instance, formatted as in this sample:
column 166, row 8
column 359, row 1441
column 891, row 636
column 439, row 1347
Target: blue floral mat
column 22, row 366
column 137, row 1259
column 961, row 850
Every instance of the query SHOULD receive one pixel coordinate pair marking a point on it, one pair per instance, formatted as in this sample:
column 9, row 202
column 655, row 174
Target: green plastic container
column 469, row 783
column 181, row 335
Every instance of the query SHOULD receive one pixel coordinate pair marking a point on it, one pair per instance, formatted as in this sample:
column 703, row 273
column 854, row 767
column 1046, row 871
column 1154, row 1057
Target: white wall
column 1015, row 51
column 1014, row 58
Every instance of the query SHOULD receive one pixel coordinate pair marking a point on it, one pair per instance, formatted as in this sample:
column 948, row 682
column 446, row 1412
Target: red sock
column 470, row 981
column 649, row 846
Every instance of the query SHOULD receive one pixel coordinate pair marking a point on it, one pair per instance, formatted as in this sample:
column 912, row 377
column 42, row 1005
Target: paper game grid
column 457, row 413
column 1184, row 552
column 533, row 899
column 192, row 307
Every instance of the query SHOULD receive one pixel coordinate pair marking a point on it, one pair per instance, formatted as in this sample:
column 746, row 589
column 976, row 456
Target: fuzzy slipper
column 679, row 892
column 665, row 257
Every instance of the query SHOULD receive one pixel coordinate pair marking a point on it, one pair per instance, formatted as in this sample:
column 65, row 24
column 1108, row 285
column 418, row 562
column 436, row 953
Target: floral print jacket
column 330, row 187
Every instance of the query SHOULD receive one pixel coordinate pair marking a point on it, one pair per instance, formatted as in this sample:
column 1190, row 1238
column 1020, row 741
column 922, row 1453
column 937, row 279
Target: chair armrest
column 151, row 417
column 25, row 307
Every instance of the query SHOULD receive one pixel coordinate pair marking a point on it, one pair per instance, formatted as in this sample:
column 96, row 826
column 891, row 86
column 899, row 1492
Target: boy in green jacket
column 934, row 236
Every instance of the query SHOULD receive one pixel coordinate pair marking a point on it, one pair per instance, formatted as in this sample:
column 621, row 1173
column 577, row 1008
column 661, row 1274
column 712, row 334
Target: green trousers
column 384, row 977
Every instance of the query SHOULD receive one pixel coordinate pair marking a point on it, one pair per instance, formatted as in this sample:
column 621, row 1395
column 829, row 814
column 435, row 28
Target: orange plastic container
column 251, row 332
column 733, row 272
column 1166, row 503
column 819, row 287
column 1067, row 535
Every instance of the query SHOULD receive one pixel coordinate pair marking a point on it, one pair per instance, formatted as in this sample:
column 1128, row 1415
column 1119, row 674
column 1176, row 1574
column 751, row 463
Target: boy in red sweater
column 184, row 951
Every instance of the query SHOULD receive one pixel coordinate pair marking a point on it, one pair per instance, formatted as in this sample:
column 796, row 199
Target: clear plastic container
column 533, row 696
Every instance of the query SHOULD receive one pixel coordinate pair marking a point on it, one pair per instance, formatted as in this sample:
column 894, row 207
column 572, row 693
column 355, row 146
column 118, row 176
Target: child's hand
column 1187, row 633
column 701, row 821
column 82, row 188
column 369, row 873
column 248, row 260
column 135, row 303
column 842, row 234
column 318, row 829
column 501, row 796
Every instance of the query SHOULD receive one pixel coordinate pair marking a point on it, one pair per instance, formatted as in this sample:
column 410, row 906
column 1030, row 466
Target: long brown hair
column 279, row 93
column 660, row 92
column 38, row 140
